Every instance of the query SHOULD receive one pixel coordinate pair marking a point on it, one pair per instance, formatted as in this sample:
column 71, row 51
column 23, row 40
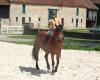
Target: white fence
column 8, row 29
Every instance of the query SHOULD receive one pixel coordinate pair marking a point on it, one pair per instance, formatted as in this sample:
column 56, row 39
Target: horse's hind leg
column 37, row 67
column 52, row 57
column 36, row 56
column 56, row 67
column 46, row 58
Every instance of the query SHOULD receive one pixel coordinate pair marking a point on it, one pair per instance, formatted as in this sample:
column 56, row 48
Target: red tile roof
column 68, row 3
column 4, row 2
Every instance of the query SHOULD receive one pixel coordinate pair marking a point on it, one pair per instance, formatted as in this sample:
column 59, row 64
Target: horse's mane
column 57, row 32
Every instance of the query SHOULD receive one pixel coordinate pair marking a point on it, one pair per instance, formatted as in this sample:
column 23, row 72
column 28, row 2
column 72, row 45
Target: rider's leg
column 47, row 37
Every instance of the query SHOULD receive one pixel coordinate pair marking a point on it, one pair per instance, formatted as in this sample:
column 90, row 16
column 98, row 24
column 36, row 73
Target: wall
column 36, row 12
column 70, row 13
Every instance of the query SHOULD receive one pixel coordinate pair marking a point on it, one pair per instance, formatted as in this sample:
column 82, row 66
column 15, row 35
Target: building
column 97, row 3
column 74, row 13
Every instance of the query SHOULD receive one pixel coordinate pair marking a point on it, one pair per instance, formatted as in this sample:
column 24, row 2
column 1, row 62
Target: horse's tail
column 35, row 52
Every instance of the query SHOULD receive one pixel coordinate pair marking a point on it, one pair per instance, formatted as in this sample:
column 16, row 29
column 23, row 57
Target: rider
column 53, row 23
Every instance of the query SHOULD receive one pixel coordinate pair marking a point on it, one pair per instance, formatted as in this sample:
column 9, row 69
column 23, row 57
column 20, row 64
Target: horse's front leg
column 56, row 67
column 52, row 57
column 36, row 56
column 46, row 58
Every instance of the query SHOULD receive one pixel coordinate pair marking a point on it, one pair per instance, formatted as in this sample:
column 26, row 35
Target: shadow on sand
column 33, row 71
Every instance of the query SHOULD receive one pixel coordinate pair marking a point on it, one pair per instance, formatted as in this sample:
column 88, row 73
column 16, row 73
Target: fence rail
column 11, row 29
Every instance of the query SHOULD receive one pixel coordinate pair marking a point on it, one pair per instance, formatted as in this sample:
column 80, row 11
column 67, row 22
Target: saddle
column 48, row 37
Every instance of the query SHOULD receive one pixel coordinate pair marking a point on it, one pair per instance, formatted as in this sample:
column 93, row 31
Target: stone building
column 97, row 3
column 74, row 13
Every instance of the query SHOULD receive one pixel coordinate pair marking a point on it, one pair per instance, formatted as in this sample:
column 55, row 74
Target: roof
column 4, row 2
column 89, row 4
column 68, row 3
column 95, row 1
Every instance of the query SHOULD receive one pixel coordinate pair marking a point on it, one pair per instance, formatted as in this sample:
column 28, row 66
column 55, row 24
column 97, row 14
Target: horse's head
column 59, row 33
column 59, row 27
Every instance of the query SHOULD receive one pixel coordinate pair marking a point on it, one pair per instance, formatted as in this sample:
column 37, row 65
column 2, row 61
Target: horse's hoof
column 37, row 67
column 52, row 73
column 48, row 68
column 55, row 70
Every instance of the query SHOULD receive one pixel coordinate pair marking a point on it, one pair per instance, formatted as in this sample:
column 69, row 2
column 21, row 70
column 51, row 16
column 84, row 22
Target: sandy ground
column 16, row 64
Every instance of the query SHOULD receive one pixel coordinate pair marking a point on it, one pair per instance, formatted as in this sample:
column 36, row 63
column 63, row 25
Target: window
column 29, row 19
column 81, row 20
column 39, row 19
column 62, row 21
column 23, row 8
column 51, row 12
column 76, row 22
column 72, row 20
column 87, row 14
column 16, row 19
column 77, row 12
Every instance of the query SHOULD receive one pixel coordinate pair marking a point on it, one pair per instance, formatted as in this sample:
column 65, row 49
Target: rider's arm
column 58, row 21
column 51, row 24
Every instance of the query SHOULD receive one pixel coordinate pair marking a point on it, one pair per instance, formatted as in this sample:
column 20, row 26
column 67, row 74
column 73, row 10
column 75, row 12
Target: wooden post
column 38, row 25
column 62, row 21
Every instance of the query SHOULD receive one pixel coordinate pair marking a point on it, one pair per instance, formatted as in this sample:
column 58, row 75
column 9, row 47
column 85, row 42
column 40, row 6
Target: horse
column 52, row 46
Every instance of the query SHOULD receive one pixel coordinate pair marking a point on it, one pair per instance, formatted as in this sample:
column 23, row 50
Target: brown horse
column 53, row 46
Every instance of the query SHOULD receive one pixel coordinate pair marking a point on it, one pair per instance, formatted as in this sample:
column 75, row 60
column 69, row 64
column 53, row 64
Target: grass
column 66, row 41
column 89, row 48
column 23, row 36
column 26, row 43
column 77, row 30
column 69, row 39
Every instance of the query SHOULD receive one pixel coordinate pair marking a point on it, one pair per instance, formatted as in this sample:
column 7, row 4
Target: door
column 23, row 20
column 50, row 12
